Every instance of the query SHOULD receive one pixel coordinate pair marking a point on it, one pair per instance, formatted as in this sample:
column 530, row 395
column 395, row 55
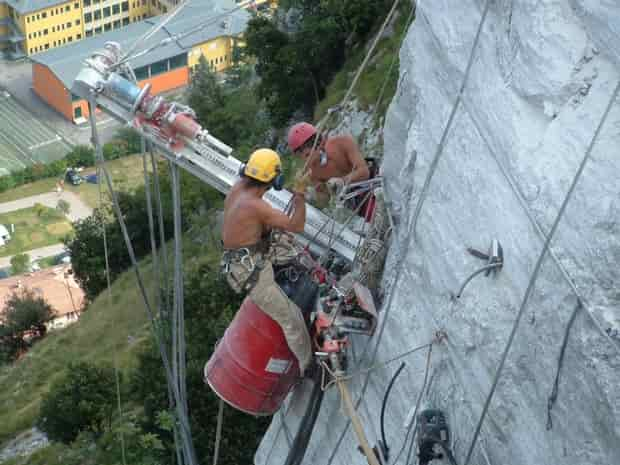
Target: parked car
column 4, row 235
column 91, row 178
column 73, row 177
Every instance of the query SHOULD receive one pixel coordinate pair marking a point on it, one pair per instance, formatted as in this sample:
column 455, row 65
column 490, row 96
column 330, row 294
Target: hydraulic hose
column 383, row 404
column 302, row 438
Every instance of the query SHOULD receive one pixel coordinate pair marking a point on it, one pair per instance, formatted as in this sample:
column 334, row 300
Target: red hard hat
column 299, row 134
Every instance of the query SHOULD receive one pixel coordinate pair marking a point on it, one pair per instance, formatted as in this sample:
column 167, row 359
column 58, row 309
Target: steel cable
column 537, row 267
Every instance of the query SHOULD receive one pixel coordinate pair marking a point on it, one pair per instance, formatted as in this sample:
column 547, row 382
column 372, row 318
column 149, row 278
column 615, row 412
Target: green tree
column 210, row 305
column 20, row 263
column 80, row 155
column 23, row 322
column 131, row 137
column 63, row 206
column 81, row 400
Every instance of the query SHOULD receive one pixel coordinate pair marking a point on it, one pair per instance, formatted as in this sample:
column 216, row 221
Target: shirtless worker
column 248, row 254
column 335, row 161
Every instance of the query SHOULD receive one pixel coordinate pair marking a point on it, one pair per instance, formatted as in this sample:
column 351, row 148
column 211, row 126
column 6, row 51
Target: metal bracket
column 494, row 259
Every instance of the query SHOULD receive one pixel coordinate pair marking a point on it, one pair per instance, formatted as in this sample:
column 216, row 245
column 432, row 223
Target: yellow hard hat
column 264, row 165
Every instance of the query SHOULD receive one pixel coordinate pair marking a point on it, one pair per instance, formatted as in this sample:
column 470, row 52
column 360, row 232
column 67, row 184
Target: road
column 79, row 210
column 36, row 254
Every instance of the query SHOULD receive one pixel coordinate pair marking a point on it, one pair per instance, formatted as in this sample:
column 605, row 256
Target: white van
column 4, row 235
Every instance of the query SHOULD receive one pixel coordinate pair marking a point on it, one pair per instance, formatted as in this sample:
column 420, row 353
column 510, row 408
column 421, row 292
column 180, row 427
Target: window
column 53, row 28
column 63, row 27
column 76, row 5
column 67, row 8
column 142, row 73
column 44, row 15
column 116, row 9
column 77, row 112
column 54, row 43
column 144, row 16
column 159, row 67
column 38, row 16
column 88, row 17
column 125, row 21
column 78, row 36
column 98, row 30
column 178, row 61
column 97, row 14
column 70, row 39
column 86, row 2
column 28, row 20
column 44, row 32
column 69, row 24
column 125, row 6
column 52, row 13
column 77, row 22
column 117, row 23
column 30, row 50
column 107, row 26
column 106, row 12
column 29, row 35
column 89, row 33
column 47, row 46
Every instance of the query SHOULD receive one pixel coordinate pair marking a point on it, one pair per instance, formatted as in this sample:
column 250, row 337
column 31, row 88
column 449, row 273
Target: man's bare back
column 247, row 217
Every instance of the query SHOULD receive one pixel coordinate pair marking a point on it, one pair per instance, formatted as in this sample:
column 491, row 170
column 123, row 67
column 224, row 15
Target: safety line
column 444, row 135
column 528, row 211
column 402, row 256
column 534, row 276
column 182, row 414
column 156, row 274
column 218, row 432
column 109, row 289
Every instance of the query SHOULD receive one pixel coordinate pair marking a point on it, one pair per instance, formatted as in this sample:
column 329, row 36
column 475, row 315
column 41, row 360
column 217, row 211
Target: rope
column 177, row 37
column 151, row 32
column 188, row 449
column 554, row 392
column 444, row 135
column 393, row 63
column 162, row 232
column 415, row 411
column 109, row 289
column 156, row 275
column 401, row 259
column 519, row 195
column 218, row 432
column 534, row 276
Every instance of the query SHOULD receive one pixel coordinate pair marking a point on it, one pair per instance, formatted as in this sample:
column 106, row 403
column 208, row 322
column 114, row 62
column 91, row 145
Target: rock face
column 542, row 75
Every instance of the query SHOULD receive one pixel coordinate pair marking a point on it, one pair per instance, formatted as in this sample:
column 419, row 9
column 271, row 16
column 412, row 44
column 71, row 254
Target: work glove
column 335, row 185
column 302, row 183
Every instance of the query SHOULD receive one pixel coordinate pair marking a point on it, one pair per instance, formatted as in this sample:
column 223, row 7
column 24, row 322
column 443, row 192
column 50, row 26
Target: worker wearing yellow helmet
column 248, row 252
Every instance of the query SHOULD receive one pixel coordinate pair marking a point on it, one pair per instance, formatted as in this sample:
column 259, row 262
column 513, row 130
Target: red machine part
column 323, row 340
column 252, row 367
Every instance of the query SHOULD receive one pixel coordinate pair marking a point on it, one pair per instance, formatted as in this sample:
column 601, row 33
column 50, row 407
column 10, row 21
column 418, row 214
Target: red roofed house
column 56, row 285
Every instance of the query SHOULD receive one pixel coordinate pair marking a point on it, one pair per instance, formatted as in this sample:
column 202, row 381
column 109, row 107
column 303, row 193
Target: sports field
column 25, row 140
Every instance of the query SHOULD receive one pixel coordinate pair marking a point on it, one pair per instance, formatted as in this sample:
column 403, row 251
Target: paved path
column 79, row 210
column 36, row 254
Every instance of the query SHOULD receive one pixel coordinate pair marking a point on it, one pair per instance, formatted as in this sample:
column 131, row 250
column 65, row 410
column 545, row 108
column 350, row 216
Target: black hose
column 302, row 438
column 383, row 404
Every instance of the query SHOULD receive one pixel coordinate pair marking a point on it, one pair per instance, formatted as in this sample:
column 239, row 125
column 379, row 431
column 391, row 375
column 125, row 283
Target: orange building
column 166, row 67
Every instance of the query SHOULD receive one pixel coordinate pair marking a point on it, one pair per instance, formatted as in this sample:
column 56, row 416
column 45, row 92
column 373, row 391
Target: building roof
column 67, row 61
column 28, row 6
column 55, row 285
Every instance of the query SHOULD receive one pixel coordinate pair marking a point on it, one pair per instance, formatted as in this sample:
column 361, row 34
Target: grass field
column 25, row 140
column 126, row 173
column 34, row 228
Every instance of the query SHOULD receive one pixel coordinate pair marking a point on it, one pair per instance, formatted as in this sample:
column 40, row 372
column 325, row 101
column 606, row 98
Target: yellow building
column 28, row 27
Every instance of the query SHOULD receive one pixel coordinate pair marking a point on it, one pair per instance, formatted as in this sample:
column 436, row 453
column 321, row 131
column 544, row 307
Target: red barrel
column 252, row 367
